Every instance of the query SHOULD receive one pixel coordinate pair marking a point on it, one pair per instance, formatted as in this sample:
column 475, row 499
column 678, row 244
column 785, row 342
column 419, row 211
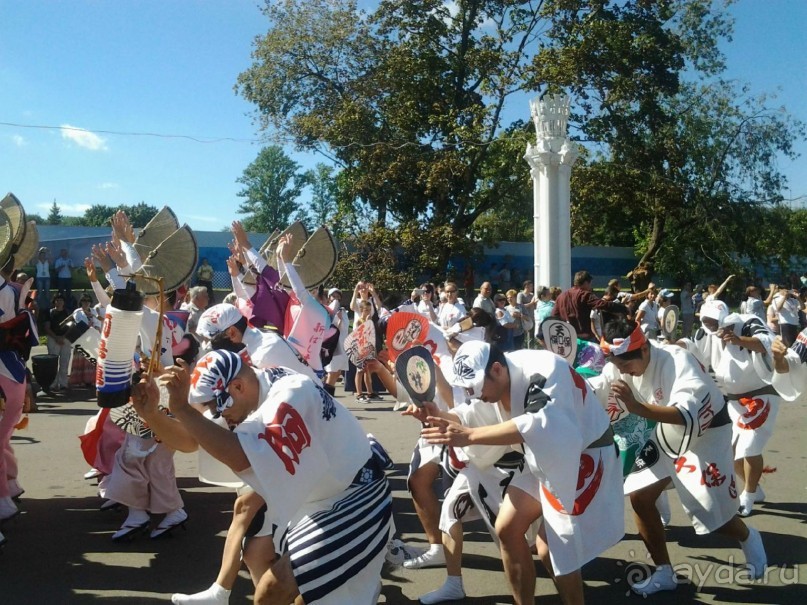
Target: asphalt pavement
column 60, row 551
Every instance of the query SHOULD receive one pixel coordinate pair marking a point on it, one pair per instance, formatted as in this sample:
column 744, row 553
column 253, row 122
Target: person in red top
column 575, row 305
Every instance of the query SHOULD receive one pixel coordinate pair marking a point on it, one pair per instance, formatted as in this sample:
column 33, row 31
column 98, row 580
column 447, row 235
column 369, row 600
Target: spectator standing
column 43, row 278
column 204, row 277
column 57, row 344
column 528, row 301
column 753, row 304
column 787, row 305
column 506, row 321
column 517, row 312
column 575, row 305
column 64, row 275
column 199, row 301
column 647, row 316
column 483, row 301
column 687, row 310
column 546, row 302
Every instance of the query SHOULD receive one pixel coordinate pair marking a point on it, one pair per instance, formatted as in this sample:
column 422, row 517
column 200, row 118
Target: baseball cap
column 212, row 376
column 469, row 366
column 333, row 291
column 216, row 319
column 665, row 293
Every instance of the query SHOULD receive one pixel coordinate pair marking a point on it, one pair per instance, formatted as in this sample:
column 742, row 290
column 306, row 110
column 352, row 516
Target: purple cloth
column 269, row 301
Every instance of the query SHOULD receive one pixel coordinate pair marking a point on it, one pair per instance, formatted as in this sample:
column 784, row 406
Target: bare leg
column 569, row 586
column 753, row 466
column 259, row 555
column 244, row 511
column 427, row 506
column 277, row 586
column 648, row 521
column 517, row 513
column 452, row 546
column 736, row 529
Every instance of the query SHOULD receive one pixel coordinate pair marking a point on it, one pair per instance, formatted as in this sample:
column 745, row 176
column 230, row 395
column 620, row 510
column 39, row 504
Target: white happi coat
column 559, row 418
column 792, row 384
column 268, row 349
column 696, row 456
column 744, row 377
column 309, row 460
column 478, row 490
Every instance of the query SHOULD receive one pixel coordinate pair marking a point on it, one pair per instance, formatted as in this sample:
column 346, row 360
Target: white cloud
column 18, row 140
column 83, row 138
column 108, row 186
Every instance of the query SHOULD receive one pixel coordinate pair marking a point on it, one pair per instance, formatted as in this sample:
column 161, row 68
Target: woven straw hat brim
column 27, row 248
column 16, row 216
column 159, row 228
column 316, row 260
column 298, row 237
column 174, row 259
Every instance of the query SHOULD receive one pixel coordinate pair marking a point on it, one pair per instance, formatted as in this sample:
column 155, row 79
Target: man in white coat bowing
column 574, row 479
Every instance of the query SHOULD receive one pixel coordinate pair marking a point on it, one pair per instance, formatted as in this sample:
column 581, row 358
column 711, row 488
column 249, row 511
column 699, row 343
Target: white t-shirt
column 789, row 313
column 650, row 317
column 451, row 314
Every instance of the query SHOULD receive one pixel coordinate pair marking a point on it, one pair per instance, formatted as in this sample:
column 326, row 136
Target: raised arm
column 722, row 286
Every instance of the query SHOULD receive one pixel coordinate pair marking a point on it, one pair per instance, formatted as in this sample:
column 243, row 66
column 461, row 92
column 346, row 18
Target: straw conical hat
column 156, row 231
column 315, row 261
column 298, row 237
column 6, row 242
column 263, row 251
column 174, row 259
column 13, row 209
column 26, row 249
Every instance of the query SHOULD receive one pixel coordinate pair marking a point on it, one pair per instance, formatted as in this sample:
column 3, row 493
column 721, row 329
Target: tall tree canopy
column 272, row 185
column 409, row 101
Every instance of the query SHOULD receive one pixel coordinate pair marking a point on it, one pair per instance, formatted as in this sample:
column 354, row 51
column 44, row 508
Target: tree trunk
column 642, row 274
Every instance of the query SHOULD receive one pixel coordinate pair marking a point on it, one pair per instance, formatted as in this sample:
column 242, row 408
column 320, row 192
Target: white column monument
column 551, row 160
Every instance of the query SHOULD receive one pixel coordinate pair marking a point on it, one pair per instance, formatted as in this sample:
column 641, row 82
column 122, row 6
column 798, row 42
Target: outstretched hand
column 232, row 267
column 90, row 267
column 115, row 252
column 146, row 396
column 122, row 227
column 240, row 235
column 446, row 432
column 100, row 255
column 421, row 413
column 284, row 250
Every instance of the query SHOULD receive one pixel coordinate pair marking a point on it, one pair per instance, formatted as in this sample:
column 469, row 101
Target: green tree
column 684, row 157
column 55, row 215
column 322, row 209
column 407, row 100
column 99, row 215
column 272, row 185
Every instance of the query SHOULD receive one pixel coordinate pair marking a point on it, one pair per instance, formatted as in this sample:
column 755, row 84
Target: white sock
column 454, row 582
column 137, row 516
column 435, row 548
column 215, row 594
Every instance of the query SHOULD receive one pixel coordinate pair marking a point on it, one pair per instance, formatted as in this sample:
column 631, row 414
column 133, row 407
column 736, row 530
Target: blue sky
column 168, row 67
